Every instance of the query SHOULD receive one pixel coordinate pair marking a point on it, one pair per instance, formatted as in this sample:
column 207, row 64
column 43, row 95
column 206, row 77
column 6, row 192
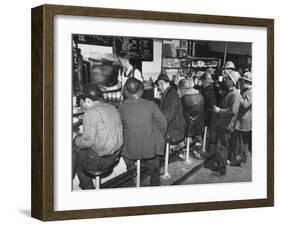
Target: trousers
column 153, row 166
column 88, row 160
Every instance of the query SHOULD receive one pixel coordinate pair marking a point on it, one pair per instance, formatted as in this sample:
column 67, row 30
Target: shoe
column 222, row 171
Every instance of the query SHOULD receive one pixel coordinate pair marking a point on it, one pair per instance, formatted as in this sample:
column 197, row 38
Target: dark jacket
column 244, row 118
column 229, row 110
column 171, row 106
column 193, row 109
column 209, row 101
column 144, row 129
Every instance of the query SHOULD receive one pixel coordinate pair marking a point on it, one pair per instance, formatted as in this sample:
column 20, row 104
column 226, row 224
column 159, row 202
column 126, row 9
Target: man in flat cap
column 171, row 106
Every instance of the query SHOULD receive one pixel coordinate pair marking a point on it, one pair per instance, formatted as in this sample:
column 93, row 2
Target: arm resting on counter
column 87, row 139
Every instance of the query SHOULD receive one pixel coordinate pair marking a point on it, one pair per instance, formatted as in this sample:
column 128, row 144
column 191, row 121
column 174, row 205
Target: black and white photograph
column 160, row 112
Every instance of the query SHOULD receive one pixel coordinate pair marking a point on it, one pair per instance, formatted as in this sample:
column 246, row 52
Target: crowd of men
column 139, row 128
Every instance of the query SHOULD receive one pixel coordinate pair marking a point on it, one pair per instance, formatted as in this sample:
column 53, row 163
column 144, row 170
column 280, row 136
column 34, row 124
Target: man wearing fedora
column 144, row 130
column 243, row 129
column 171, row 106
column 97, row 147
column 227, row 116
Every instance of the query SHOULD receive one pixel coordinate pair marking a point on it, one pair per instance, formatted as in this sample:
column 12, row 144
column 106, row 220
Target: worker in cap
column 229, row 65
column 227, row 116
column 227, row 68
column 242, row 136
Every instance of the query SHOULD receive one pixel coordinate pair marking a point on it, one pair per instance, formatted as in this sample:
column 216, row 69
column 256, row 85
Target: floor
column 182, row 173
column 233, row 174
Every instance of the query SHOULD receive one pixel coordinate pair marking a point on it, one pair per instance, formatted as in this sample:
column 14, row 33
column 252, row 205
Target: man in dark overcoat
column 171, row 106
column 144, row 130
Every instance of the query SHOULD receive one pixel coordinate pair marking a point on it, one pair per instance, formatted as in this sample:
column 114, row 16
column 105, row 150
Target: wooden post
column 187, row 160
column 166, row 174
column 225, row 53
column 138, row 173
column 97, row 182
column 204, row 139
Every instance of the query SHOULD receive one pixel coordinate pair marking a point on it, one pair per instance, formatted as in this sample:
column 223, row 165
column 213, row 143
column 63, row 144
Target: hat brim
column 231, row 68
column 136, row 95
column 165, row 80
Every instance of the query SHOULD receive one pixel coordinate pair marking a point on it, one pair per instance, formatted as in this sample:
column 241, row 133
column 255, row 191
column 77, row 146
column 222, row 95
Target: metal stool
column 138, row 173
column 204, row 139
column 187, row 159
column 166, row 174
column 187, row 149
column 97, row 174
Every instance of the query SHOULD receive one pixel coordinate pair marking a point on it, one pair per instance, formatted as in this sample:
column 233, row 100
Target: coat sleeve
column 211, row 100
column 160, row 119
column 246, row 102
column 169, row 107
column 233, row 106
column 87, row 139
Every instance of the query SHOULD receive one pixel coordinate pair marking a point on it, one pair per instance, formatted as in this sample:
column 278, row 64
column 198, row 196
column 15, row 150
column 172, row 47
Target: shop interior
column 95, row 60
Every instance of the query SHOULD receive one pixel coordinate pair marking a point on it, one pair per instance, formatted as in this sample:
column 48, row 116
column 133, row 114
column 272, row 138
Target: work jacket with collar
column 193, row 108
column 144, row 129
column 244, row 118
column 102, row 129
column 230, row 106
column 171, row 106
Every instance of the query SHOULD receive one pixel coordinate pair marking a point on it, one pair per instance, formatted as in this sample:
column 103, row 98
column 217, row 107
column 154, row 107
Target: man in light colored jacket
column 242, row 138
column 102, row 136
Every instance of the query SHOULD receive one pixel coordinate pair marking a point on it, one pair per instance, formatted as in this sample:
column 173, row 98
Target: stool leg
column 138, row 173
column 166, row 174
column 204, row 140
column 187, row 159
column 97, row 182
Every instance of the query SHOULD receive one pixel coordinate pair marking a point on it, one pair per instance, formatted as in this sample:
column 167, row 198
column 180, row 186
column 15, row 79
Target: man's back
column 193, row 105
column 171, row 106
column 144, row 128
column 102, row 129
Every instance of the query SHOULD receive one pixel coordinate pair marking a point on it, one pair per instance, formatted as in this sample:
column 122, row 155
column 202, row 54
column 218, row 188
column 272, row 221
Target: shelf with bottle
column 199, row 65
column 113, row 96
column 205, row 62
